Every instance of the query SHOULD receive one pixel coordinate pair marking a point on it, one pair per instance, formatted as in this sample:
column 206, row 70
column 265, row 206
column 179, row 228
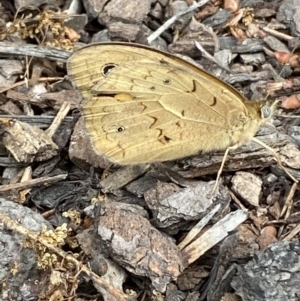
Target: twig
column 286, row 210
column 27, row 176
column 289, row 199
column 51, row 53
column 43, row 122
column 172, row 20
column 210, row 57
column 62, row 113
column 236, row 200
column 277, row 33
column 198, row 227
column 32, row 183
column 292, row 234
column 23, row 82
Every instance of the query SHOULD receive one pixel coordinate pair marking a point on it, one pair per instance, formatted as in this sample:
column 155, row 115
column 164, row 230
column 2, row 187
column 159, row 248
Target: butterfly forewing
column 142, row 105
column 85, row 66
column 178, row 90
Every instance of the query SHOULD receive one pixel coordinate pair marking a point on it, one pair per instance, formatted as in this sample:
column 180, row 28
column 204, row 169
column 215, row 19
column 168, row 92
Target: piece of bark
column 213, row 236
column 259, row 221
column 93, row 8
column 130, row 240
column 291, row 102
column 111, row 272
column 272, row 275
column 46, row 168
column 172, row 207
column 123, row 176
column 124, row 19
column 249, row 155
column 122, row 31
column 63, row 133
column 43, row 121
column 192, row 277
column 176, row 7
column 199, row 227
column 56, row 99
column 266, row 10
column 53, row 196
column 24, row 99
column 294, row 133
column 275, row 44
column 239, row 245
column 248, row 46
column 101, row 36
column 7, row 82
column 11, row 173
column 232, row 5
column 15, row 255
column 291, row 84
column 290, row 156
column 133, row 12
column 223, row 285
column 253, row 58
column 173, row 293
column 139, row 186
column 288, row 14
column 275, row 210
column 27, row 143
column 193, row 296
column 76, row 21
column 36, row 237
column 246, row 76
column 81, row 150
column 224, row 59
column 23, row 3
column 10, row 162
column 125, row 197
column 10, row 108
column 248, row 187
column 157, row 11
column 185, row 44
column 219, row 19
column 8, row 68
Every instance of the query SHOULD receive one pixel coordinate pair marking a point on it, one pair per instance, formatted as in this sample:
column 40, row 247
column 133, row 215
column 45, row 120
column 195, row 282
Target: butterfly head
column 267, row 109
column 260, row 111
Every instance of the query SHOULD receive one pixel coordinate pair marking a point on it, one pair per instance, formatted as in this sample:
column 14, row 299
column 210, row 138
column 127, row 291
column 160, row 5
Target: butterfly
column 142, row 105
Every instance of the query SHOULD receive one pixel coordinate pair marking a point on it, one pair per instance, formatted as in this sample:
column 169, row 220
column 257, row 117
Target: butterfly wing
column 152, row 110
column 88, row 66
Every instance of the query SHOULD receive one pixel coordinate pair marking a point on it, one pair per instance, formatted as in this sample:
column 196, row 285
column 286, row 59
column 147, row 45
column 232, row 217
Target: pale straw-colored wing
column 149, row 111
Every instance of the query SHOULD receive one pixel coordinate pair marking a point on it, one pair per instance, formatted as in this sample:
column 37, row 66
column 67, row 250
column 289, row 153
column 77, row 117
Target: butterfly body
column 141, row 105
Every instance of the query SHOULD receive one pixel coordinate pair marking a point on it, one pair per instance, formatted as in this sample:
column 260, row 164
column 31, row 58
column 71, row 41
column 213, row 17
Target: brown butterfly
column 141, row 105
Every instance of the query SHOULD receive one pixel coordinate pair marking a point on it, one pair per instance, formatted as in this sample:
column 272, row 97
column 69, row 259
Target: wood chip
column 27, row 143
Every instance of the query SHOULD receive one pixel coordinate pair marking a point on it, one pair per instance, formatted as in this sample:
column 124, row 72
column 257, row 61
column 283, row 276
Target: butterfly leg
column 271, row 150
column 221, row 168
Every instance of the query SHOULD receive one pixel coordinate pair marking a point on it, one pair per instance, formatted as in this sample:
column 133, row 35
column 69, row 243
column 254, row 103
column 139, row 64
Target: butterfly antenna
column 271, row 150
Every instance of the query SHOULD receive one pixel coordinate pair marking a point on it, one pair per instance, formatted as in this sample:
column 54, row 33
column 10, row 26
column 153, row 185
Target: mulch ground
column 76, row 227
